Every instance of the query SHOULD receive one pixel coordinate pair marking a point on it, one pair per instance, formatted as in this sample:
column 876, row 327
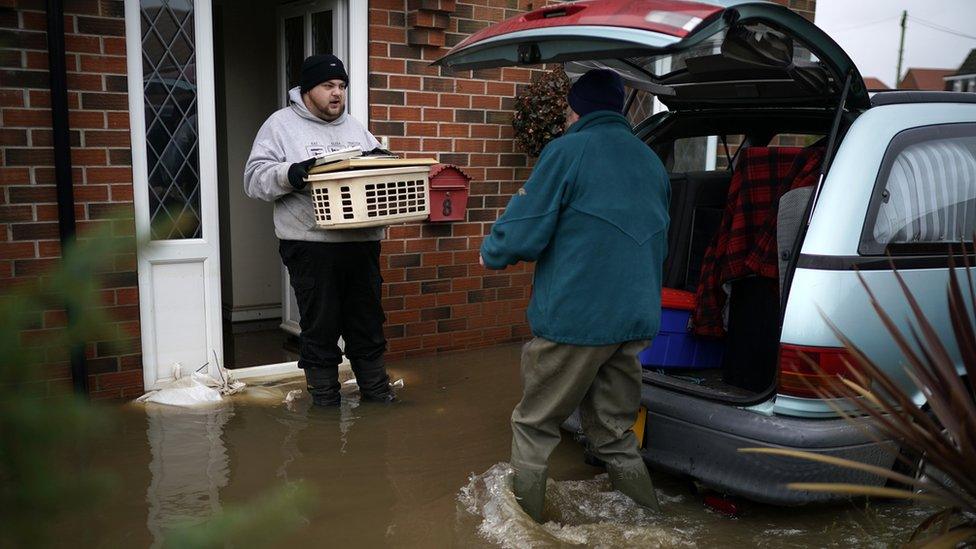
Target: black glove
column 298, row 171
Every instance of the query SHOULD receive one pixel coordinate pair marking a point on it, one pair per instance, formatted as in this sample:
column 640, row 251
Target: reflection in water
column 189, row 464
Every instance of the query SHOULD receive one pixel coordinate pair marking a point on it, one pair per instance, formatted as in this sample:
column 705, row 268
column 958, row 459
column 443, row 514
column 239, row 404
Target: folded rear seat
column 697, row 202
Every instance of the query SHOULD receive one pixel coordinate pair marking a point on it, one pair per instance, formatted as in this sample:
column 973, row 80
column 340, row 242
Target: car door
column 690, row 54
column 901, row 193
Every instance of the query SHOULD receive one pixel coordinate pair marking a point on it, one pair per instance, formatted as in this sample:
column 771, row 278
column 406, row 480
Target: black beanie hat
column 597, row 90
column 320, row 68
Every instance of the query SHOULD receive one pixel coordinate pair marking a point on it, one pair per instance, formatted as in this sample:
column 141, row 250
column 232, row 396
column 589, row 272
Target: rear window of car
column 925, row 196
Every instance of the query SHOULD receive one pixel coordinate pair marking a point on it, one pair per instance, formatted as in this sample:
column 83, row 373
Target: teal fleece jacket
column 594, row 216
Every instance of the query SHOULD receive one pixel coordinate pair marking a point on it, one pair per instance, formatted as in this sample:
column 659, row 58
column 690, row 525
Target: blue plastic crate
column 676, row 347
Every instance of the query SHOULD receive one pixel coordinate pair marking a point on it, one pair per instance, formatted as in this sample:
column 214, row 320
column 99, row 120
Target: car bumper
column 701, row 438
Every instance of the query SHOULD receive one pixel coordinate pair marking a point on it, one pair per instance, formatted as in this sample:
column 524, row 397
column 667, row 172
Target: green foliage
column 47, row 441
column 44, row 441
column 263, row 522
column 540, row 112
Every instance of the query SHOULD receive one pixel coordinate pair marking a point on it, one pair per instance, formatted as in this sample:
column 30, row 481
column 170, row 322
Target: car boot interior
column 700, row 213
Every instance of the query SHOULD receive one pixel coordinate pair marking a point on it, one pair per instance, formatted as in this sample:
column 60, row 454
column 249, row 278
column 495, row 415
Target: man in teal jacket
column 594, row 218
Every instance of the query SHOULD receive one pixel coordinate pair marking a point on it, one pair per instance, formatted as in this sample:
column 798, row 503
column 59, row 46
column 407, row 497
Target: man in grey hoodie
column 335, row 273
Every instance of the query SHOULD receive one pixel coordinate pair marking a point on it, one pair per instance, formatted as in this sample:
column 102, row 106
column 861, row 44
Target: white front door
column 305, row 28
column 170, row 59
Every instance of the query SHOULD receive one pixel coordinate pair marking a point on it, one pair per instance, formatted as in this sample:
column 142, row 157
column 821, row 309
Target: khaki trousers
column 604, row 382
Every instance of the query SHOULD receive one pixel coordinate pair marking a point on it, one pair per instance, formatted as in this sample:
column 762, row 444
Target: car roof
column 902, row 97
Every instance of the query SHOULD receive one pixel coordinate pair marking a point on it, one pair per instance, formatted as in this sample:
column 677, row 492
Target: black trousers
column 337, row 285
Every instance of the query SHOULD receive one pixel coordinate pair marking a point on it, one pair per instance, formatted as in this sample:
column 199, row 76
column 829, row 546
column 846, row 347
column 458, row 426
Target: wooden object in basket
column 365, row 163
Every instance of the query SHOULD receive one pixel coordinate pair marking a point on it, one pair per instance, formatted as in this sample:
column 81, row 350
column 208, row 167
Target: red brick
column 89, row 157
column 405, row 113
column 11, row 98
column 85, row 82
column 379, row 112
column 398, row 82
column 104, row 101
column 37, row 60
column 117, row 380
column 82, row 119
column 404, row 231
column 421, row 245
column 418, row 302
column 438, row 115
column 104, row 64
column 34, row 267
column 455, row 100
column 108, row 175
column 82, row 44
column 453, row 130
column 13, row 137
column 116, row 138
column 121, row 193
column 379, row 64
column 49, row 248
column 406, row 288
column 36, row 118
column 469, row 145
column 504, row 89
column 486, row 102
column 17, row 250
column 386, row 34
column 426, row 37
column 113, row 46
column 473, row 87
column 421, row 129
column 404, row 144
column 422, row 99
column 513, row 74
column 118, row 120
column 90, row 193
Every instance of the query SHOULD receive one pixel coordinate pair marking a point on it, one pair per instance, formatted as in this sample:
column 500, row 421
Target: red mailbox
column 448, row 193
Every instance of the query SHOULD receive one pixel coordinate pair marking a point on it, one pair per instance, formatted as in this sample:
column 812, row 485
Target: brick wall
column 436, row 295
column 806, row 8
column 99, row 123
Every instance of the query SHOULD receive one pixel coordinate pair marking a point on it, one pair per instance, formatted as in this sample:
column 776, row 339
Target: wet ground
column 426, row 472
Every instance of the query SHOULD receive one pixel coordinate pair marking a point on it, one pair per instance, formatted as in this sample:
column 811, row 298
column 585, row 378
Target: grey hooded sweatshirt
column 290, row 135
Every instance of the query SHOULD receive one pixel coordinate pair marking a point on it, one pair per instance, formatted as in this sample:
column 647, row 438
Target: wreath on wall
column 540, row 112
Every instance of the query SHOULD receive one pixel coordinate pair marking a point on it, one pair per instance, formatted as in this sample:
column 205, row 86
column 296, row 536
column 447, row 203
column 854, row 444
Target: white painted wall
column 252, row 273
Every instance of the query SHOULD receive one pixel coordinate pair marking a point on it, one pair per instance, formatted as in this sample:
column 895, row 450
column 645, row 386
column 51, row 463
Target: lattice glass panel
column 172, row 138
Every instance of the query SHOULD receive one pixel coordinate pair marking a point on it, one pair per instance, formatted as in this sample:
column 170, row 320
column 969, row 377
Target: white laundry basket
column 369, row 198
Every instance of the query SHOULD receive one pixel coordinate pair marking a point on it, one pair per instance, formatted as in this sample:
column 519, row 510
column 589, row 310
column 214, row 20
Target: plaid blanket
column 745, row 244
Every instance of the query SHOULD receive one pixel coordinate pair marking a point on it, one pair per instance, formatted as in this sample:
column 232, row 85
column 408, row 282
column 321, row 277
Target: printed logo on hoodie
column 317, row 148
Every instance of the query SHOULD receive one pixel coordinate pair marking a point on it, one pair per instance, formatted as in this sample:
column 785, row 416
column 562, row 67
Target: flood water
column 428, row 471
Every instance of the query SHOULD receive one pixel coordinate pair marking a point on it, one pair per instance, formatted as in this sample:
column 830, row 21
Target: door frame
column 352, row 48
column 205, row 250
column 154, row 252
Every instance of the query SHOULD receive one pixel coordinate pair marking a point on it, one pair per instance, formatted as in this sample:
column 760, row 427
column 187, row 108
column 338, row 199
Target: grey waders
column 604, row 382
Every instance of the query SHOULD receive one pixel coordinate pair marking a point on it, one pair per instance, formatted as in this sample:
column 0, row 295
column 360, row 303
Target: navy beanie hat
column 597, row 90
column 321, row 68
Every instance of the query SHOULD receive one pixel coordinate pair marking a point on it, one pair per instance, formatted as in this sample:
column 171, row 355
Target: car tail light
column 799, row 378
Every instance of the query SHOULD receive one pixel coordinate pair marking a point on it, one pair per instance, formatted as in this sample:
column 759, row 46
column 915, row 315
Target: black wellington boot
column 323, row 385
column 374, row 383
